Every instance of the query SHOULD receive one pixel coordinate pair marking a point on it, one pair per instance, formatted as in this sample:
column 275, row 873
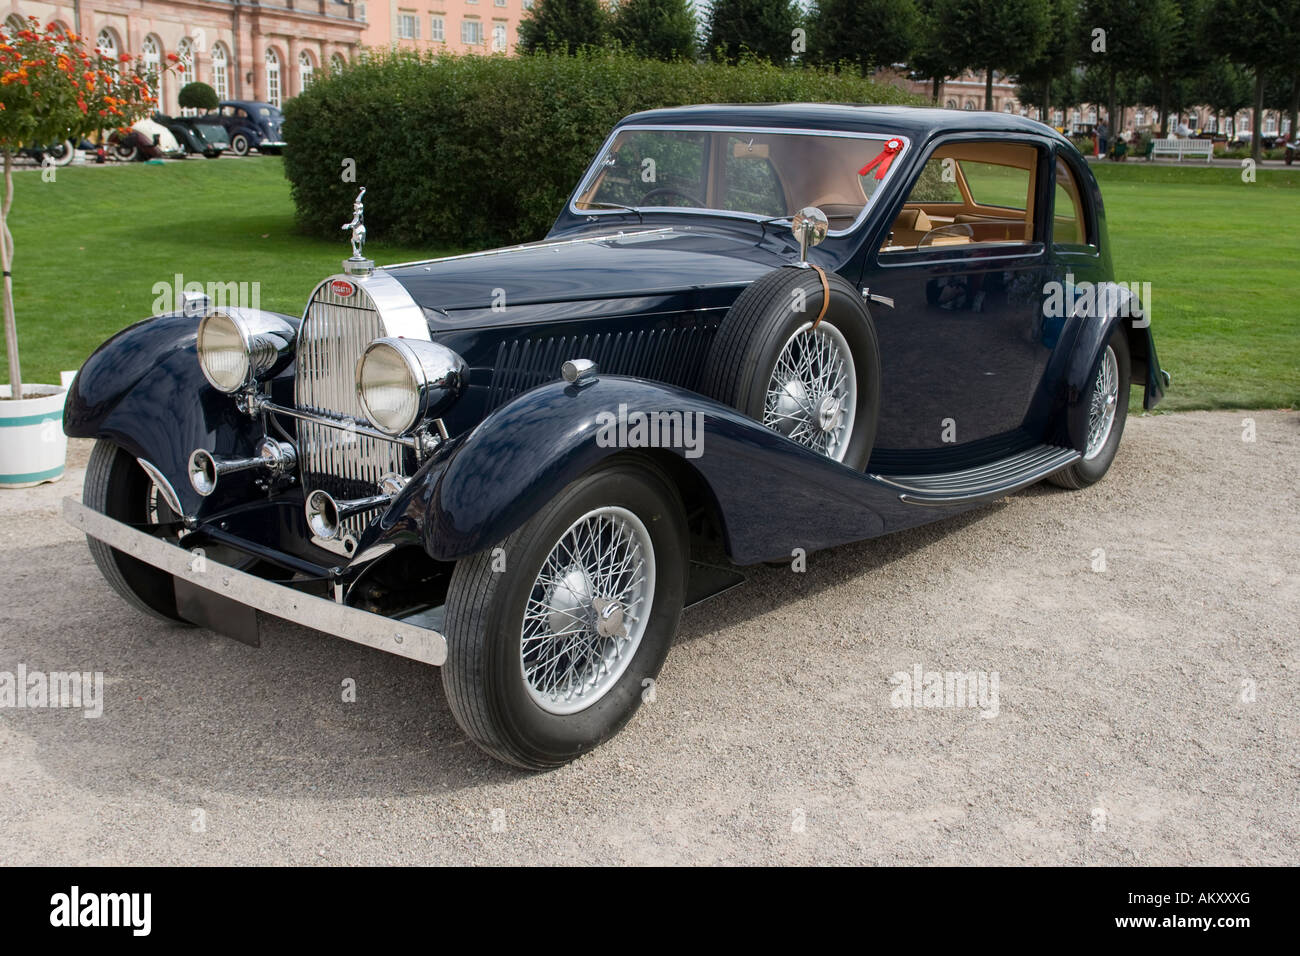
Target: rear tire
column 240, row 145
column 772, row 361
column 1110, row 388
column 118, row 487
column 534, row 674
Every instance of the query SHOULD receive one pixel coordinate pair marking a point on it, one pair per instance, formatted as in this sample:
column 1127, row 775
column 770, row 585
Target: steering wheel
column 670, row 191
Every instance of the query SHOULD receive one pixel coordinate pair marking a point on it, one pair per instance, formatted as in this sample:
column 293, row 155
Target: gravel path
column 1145, row 713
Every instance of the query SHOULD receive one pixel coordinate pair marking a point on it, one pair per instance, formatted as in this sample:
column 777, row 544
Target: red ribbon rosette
column 882, row 162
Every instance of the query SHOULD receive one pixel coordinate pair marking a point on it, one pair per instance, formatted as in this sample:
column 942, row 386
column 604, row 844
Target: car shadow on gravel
column 188, row 712
column 769, row 586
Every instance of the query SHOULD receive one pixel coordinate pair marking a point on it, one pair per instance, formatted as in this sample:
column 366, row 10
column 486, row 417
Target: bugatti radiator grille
column 673, row 356
column 334, row 333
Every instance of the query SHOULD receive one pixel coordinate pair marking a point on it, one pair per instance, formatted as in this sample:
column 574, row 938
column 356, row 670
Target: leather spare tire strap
column 826, row 294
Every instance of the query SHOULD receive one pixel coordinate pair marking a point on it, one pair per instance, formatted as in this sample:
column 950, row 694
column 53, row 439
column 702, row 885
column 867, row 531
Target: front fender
column 771, row 494
column 143, row 390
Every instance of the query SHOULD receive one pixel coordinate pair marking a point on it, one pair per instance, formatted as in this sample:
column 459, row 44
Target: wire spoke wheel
column 1105, row 398
column 587, row 611
column 812, row 394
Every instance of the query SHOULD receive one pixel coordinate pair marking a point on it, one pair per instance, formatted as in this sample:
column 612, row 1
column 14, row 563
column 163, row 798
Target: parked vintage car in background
column 56, row 154
column 197, row 135
column 251, row 125
column 751, row 328
column 146, row 139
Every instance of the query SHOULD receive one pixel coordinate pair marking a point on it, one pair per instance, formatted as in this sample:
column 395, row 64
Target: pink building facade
column 246, row 50
column 452, row 26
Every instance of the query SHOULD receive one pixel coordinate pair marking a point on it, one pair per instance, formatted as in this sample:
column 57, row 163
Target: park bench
column 1182, row 147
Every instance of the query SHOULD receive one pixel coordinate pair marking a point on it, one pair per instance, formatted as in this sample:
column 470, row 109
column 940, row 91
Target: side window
column 969, row 193
column 752, row 183
column 1069, row 223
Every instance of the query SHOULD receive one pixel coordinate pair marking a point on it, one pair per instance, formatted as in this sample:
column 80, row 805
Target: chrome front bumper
column 349, row 623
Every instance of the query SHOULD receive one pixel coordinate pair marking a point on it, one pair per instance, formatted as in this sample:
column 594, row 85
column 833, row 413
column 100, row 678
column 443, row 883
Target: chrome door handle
column 882, row 299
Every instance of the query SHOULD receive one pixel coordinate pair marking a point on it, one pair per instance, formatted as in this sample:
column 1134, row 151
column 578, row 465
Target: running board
column 993, row 480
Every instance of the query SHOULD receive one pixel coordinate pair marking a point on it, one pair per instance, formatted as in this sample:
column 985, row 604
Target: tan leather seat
column 910, row 226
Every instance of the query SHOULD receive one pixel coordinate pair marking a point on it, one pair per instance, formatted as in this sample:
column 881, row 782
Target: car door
column 955, row 289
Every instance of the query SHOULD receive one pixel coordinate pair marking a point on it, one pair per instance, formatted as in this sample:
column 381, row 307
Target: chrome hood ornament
column 358, row 264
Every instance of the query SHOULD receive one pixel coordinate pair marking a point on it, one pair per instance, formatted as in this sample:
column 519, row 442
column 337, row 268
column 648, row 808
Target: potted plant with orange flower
column 51, row 89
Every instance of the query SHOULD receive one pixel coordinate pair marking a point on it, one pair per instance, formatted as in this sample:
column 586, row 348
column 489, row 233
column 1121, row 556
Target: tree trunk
column 1164, row 109
column 7, row 258
column 938, row 89
column 988, row 89
column 1257, row 112
column 1047, row 101
column 1112, row 106
column 1295, row 105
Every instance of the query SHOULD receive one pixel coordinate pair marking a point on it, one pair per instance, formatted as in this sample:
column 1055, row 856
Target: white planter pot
column 33, row 448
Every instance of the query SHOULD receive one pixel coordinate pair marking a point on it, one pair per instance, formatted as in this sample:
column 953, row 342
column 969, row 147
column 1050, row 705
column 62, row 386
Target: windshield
column 762, row 173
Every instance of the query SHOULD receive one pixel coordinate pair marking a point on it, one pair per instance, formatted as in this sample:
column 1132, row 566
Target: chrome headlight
column 400, row 382
column 238, row 347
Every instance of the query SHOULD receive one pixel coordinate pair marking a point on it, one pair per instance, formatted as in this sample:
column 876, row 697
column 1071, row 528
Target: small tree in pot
column 51, row 89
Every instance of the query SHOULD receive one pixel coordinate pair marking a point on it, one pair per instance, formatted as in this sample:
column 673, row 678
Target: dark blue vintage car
column 752, row 328
column 250, row 125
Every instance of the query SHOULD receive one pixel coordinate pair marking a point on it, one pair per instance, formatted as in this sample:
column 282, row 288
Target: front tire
column 240, row 145
column 816, row 382
column 552, row 638
column 1106, row 411
column 118, row 487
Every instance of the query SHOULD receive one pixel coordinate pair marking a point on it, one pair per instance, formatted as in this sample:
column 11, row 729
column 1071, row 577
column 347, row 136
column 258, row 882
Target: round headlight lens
column 223, row 354
column 387, row 388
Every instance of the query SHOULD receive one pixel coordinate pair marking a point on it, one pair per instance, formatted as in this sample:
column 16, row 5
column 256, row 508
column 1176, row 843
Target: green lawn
column 1223, row 259
column 1221, row 256
column 90, row 246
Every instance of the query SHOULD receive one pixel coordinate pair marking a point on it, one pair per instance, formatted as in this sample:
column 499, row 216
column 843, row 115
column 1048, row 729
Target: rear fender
column 1114, row 306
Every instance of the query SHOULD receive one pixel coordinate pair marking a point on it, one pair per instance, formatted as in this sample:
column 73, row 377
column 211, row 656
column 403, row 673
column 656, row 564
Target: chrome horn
column 325, row 515
column 206, row 469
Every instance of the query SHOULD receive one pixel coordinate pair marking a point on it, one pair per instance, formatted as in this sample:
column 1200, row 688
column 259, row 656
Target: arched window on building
column 152, row 50
column 221, row 71
column 14, row 23
column 185, row 74
column 337, row 63
column 950, row 105
column 106, row 43
column 306, row 70
column 273, row 77
column 970, row 105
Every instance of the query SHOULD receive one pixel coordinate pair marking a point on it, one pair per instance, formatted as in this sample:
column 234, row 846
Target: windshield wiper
column 618, row 205
column 764, row 223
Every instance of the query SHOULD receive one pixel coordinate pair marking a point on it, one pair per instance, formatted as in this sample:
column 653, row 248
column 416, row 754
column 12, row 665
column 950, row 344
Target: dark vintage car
column 198, row 135
column 752, row 330
column 250, row 125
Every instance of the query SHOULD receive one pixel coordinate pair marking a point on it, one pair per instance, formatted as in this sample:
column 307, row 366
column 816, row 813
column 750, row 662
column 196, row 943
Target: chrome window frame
column 597, row 164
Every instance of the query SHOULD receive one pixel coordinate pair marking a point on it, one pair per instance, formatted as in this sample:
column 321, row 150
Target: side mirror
column 809, row 226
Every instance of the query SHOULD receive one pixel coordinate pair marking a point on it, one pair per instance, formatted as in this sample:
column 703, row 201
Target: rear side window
column 1069, row 222
column 993, row 184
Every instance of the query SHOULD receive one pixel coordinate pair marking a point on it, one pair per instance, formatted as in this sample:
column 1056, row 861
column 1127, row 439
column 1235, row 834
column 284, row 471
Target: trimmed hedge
column 477, row 151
